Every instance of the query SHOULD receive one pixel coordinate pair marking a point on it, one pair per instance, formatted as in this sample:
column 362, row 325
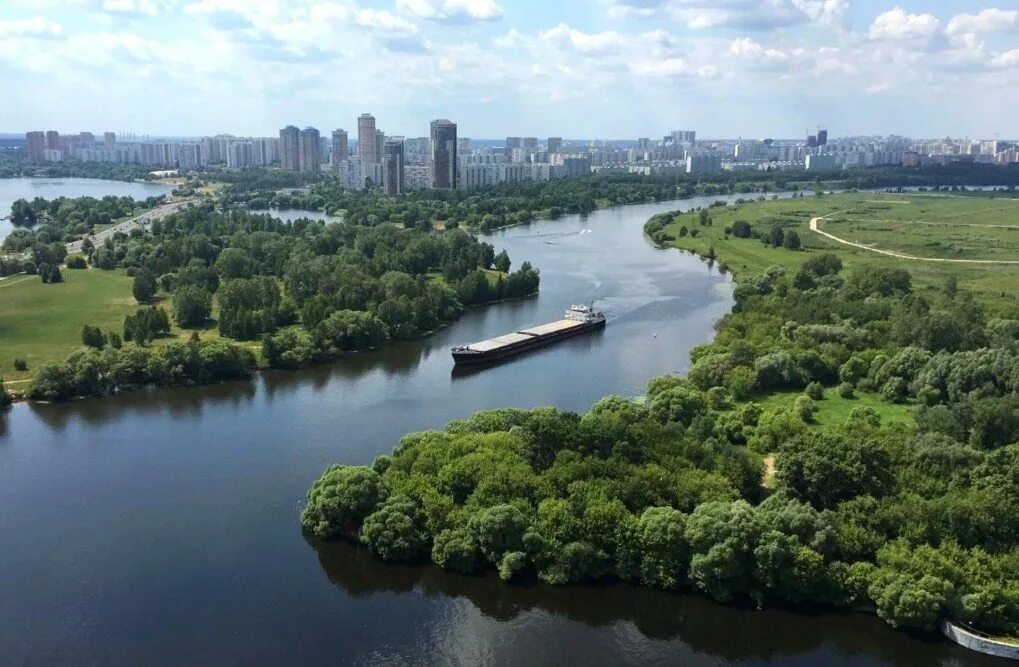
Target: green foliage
column 144, row 287
column 191, row 306
column 396, row 532
column 826, row 469
column 340, row 500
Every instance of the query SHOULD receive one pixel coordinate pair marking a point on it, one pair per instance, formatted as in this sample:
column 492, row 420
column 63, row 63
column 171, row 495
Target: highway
column 138, row 222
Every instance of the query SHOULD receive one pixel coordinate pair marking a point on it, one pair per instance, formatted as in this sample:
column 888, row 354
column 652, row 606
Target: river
column 161, row 527
column 12, row 189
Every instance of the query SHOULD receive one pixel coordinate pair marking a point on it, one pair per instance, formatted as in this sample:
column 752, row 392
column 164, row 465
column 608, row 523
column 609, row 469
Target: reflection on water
column 666, row 623
column 161, row 526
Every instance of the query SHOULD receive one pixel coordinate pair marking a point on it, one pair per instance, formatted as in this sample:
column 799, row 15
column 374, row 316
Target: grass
column 833, row 410
column 924, row 225
column 41, row 323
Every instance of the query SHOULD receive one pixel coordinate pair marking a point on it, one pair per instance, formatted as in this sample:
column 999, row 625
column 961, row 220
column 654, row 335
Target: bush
column 20, row 365
column 191, row 306
column 815, row 391
column 76, row 262
column 339, row 501
column 846, row 390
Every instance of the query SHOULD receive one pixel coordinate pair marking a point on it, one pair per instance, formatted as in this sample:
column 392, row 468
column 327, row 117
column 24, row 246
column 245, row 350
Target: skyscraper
column 290, row 156
column 53, row 140
column 392, row 163
column 366, row 148
column 555, row 145
column 36, row 146
column 442, row 159
column 110, row 138
column 822, row 137
column 380, row 143
column 339, row 153
column 308, row 159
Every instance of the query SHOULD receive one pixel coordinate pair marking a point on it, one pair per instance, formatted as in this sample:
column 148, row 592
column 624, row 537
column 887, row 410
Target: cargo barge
column 577, row 320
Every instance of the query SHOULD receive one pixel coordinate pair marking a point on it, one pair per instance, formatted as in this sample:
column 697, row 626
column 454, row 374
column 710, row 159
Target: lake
column 12, row 189
column 162, row 527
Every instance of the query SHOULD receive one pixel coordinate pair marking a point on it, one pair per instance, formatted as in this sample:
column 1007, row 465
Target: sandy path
column 900, row 255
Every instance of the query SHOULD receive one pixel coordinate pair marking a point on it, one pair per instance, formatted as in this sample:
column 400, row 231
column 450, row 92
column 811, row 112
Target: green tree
column 339, row 501
column 144, row 286
column 191, row 306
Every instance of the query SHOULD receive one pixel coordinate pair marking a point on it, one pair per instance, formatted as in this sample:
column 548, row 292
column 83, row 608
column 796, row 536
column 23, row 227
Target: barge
column 577, row 320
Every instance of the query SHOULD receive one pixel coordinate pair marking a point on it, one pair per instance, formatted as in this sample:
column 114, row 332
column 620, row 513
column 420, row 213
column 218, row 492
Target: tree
column 339, row 501
column 502, row 262
column 191, row 306
column 741, row 229
column 93, row 337
column 792, row 240
column 661, row 547
column 144, row 286
column 350, row 330
column 396, row 532
column 826, row 469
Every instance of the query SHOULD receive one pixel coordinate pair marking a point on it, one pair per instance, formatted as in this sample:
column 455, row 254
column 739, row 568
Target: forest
column 306, row 290
column 697, row 486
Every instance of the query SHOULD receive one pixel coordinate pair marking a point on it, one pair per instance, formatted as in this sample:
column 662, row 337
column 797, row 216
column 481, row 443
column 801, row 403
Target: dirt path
column 900, row 255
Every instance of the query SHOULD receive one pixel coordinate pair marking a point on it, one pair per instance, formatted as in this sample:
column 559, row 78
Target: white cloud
column 897, row 24
column 1006, row 59
column 146, row 7
column 37, row 28
column 569, row 38
column 452, row 11
column 744, row 14
column 385, row 21
column 985, row 21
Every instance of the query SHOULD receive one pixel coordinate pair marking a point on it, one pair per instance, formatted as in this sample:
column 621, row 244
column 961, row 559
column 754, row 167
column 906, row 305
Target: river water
column 12, row 189
column 162, row 527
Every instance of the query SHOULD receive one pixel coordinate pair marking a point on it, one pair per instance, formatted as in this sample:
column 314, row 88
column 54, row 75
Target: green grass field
column 40, row 323
column 833, row 410
column 923, row 225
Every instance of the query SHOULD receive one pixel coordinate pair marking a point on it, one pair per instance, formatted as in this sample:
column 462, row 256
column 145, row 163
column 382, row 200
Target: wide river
column 12, row 189
column 162, row 527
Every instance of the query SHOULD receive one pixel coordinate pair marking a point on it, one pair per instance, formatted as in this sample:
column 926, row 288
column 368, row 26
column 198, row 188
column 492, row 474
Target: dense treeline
column 100, row 370
column 17, row 166
column 307, row 289
column 64, row 218
column 915, row 520
column 518, row 202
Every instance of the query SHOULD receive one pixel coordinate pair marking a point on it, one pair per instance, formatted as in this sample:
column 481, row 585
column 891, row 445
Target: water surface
column 161, row 527
column 12, row 189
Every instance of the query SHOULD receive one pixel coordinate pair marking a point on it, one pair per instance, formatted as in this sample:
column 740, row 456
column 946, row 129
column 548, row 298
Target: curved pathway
column 900, row 255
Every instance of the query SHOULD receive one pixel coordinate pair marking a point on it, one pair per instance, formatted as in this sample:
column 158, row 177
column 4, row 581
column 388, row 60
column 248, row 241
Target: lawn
column 948, row 227
column 833, row 410
column 40, row 323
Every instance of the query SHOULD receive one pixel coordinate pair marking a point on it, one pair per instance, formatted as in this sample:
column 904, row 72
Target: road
column 138, row 222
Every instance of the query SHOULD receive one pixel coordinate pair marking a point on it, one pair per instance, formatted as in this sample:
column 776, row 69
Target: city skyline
column 199, row 67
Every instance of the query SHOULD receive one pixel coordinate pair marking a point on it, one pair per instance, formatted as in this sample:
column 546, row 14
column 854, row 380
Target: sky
column 573, row 68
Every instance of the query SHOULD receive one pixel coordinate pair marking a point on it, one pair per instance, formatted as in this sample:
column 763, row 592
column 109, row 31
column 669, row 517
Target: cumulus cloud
column 569, row 38
column 897, row 24
column 142, row 7
column 35, row 28
column 452, row 11
column 1006, row 60
column 985, row 21
column 742, row 14
column 756, row 54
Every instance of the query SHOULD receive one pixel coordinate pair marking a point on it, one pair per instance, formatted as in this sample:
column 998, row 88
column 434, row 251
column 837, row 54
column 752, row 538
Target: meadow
column 924, row 225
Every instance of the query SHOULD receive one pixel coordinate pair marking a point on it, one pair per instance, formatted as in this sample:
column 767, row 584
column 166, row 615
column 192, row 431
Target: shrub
column 815, row 391
column 20, row 365
column 846, row 390
column 76, row 262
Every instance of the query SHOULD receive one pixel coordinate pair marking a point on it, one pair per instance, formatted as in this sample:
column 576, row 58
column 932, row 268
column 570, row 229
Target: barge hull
column 519, row 347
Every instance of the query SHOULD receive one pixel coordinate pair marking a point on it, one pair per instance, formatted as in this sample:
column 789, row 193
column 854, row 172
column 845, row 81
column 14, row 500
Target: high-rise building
column 36, row 146
column 290, row 155
column 366, row 147
column 822, row 137
column 442, row 160
column 308, row 159
column 189, row 156
column 463, row 145
column 555, row 145
column 392, row 164
column 110, row 139
column 530, row 145
column 339, row 152
column 53, row 140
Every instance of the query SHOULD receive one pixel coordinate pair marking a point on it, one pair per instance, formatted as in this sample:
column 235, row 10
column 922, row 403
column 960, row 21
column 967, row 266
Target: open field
column 833, row 410
column 42, row 322
column 934, row 226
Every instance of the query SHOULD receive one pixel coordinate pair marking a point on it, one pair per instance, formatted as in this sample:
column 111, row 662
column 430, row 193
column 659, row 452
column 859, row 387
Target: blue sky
column 593, row 68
